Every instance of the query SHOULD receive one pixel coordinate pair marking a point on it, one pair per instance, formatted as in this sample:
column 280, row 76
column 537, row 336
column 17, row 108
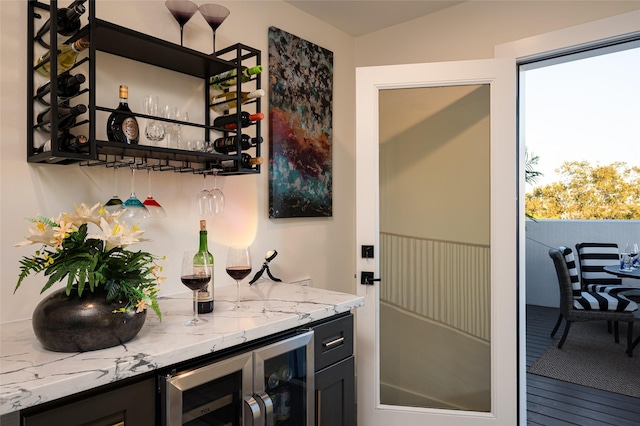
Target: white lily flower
column 39, row 233
column 118, row 234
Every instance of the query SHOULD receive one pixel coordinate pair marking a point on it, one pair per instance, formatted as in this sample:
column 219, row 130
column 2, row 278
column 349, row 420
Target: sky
column 584, row 110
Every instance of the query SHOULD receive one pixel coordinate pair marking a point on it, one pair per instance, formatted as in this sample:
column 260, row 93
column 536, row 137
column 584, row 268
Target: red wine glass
column 238, row 267
column 195, row 276
column 154, row 207
column 182, row 11
column 215, row 15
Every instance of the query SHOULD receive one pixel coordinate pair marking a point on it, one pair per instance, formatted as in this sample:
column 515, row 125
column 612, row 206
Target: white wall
column 320, row 248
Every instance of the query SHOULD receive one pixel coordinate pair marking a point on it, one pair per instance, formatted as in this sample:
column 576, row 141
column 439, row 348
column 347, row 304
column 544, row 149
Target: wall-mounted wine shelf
column 124, row 42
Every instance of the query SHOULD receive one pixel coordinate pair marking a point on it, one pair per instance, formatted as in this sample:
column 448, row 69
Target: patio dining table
column 623, row 273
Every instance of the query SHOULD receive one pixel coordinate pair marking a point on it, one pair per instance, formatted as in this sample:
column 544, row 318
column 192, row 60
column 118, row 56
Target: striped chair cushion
column 591, row 300
column 593, row 257
column 573, row 271
column 616, row 289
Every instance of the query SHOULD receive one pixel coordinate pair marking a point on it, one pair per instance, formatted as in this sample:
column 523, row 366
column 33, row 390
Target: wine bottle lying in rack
column 228, row 144
column 225, row 101
column 66, row 142
column 67, row 56
column 68, row 86
column 66, row 117
column 246, row 162
column 68, row 19
column 227, row 79
column 230, row 121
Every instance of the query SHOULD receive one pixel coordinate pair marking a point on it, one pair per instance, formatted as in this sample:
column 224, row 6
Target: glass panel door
column 435, row 340
column 284, row 381
column 436, row 193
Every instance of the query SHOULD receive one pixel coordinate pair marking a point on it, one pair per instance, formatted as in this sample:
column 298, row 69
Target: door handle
column 266, row 406
column 366, row 278
column 332, row 343
column 251, row 411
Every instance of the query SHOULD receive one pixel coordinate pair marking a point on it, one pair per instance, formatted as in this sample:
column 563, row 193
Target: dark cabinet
column 135, row 401
column 335, row 372
column 133, row 404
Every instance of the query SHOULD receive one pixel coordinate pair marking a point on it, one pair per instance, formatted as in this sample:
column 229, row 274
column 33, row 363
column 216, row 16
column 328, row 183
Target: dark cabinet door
column 335, row 394
column 130, row 405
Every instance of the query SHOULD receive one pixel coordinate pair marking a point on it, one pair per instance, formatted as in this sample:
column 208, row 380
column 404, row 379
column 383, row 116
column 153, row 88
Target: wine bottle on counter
column 68, row 19
column 66, row 117
column 228, row 144
column 225, row 101
column 227, row 79
column 246, row 162
column 205, row 295
column 67, row 56
column 122, row 125
column 66, row 142
column 68, row 86
column 230, row 121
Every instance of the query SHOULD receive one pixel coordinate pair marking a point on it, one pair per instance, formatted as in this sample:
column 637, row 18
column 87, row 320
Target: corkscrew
column 271, row 254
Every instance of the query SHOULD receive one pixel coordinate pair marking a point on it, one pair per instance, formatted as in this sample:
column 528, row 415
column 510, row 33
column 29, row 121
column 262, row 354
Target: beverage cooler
column 267, row 386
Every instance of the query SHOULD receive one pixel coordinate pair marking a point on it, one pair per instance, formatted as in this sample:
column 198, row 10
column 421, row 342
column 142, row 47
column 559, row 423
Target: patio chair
column 579, row 305
column 593, row 257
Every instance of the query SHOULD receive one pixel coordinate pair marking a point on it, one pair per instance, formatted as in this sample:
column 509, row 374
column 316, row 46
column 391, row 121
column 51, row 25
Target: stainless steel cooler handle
column 251, row 411
column 266, row 405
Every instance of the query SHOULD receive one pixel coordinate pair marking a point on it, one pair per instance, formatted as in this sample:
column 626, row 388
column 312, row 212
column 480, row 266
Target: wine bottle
column 205, row 295
column 71, row 143
column 68, row 86
column 66, row 142
column 227, row 100
column 228, row 144
column 67, row 56
column 66, row 117
column 68, row 19
column 228, row 78
column 246, row 162
column 122, row 125
column 229, row 121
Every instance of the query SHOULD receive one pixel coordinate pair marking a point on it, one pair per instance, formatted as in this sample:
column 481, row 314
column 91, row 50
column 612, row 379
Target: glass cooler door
column 284, row 381
column 211, row 395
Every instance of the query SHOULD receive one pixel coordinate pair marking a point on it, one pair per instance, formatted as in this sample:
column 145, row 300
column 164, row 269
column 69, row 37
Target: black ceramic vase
column 78, row 324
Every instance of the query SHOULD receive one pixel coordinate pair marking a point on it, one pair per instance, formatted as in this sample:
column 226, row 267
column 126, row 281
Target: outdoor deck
column 553, row 402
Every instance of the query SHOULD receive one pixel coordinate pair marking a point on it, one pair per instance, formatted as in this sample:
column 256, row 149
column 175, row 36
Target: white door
column 436, row 191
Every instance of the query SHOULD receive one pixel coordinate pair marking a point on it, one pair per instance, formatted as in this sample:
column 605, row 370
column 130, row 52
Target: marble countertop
column 30, row 375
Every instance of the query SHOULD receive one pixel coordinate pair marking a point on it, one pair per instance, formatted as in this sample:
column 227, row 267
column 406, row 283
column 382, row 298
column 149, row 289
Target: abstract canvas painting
column 300, row 127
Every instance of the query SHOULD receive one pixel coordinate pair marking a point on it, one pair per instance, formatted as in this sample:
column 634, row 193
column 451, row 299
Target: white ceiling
column 362, row 17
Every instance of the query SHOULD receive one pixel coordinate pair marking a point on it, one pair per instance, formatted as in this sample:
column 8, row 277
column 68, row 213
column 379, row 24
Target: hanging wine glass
column 203, row 199
column 217, row 197
column 215, row 15
column 182, row 11
column 134, row 209
column 115, row 203
column 155, row 209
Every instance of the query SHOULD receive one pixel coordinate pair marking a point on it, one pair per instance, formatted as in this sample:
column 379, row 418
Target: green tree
column 588, row 192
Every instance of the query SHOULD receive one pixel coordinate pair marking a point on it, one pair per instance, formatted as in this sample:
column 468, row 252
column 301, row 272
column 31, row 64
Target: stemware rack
column 124, row 42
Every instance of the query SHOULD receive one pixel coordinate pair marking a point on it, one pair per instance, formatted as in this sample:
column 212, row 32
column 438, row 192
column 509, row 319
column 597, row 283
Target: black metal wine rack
column 124, row 42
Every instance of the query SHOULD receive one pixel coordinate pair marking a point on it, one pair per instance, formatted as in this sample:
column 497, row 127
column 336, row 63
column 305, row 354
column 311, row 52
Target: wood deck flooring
column 553, row 402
